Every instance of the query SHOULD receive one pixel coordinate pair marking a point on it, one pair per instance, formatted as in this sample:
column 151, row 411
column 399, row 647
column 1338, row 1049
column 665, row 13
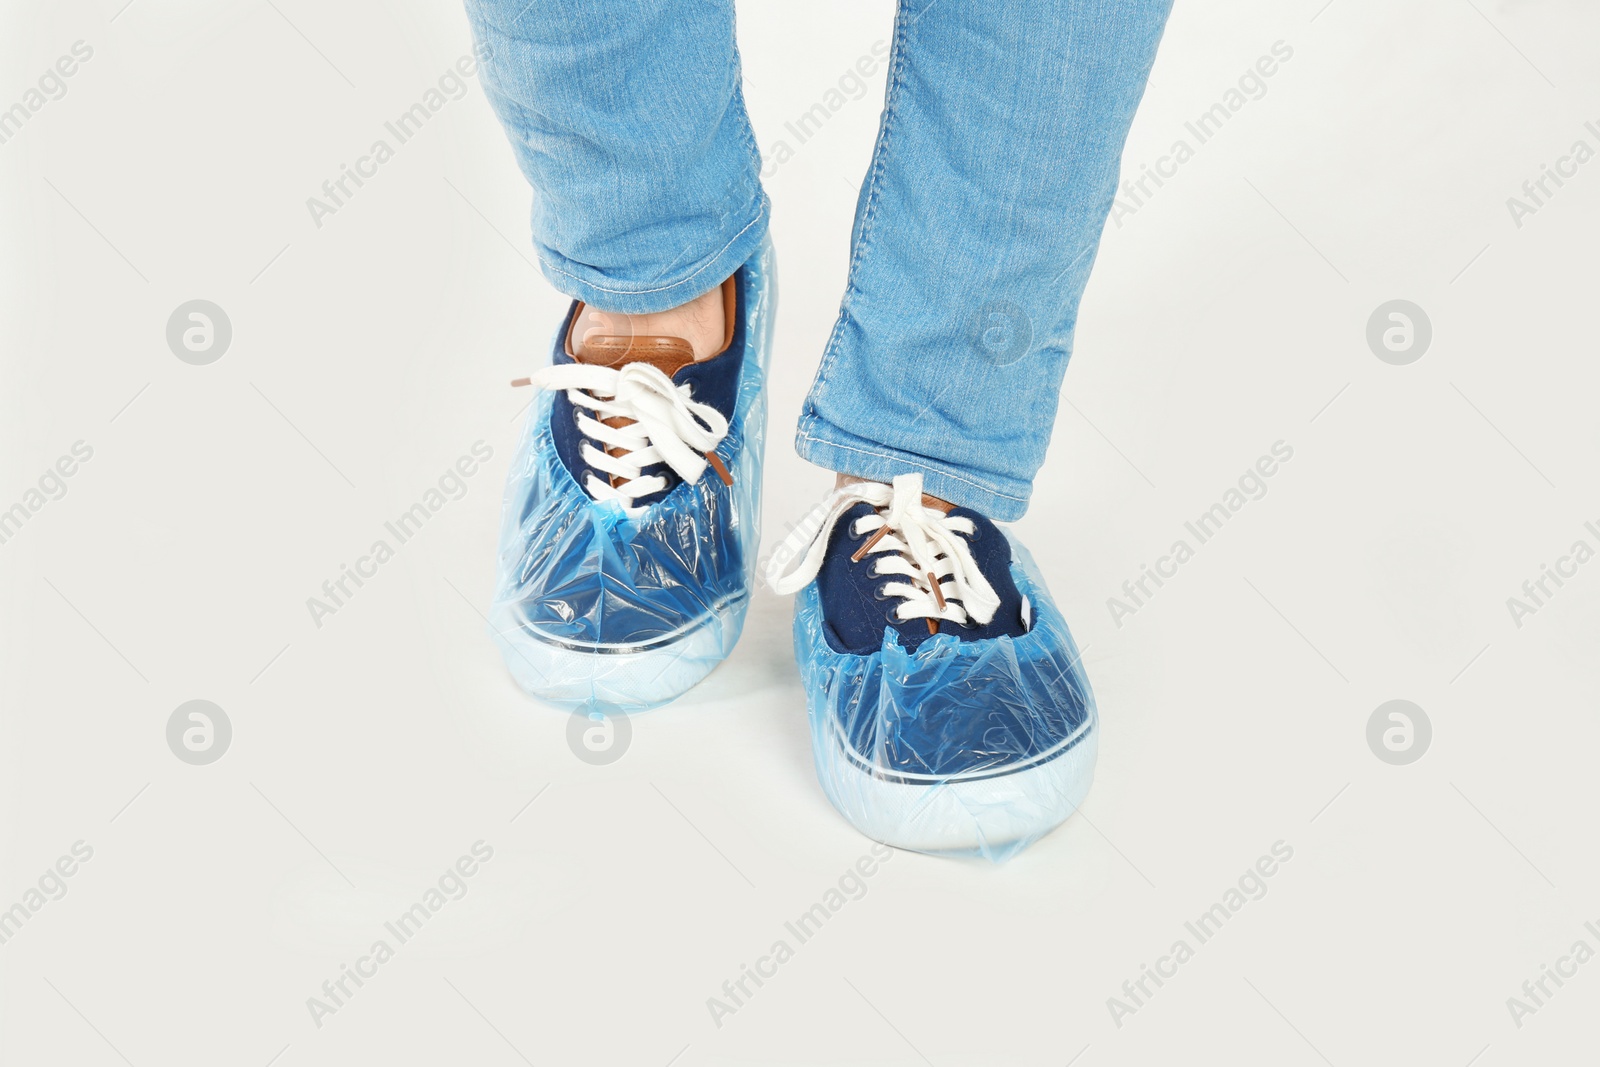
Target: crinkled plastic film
column 595, row 609
column 974, row 747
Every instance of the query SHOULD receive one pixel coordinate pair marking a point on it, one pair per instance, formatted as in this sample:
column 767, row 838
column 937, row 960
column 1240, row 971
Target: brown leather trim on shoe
column 669, row 355
column 730, row 311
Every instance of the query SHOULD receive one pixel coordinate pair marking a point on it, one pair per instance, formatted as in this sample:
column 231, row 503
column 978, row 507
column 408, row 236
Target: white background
column 1227, row 313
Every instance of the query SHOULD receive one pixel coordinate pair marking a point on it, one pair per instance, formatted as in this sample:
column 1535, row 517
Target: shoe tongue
column 669, row 355
column 928, row 499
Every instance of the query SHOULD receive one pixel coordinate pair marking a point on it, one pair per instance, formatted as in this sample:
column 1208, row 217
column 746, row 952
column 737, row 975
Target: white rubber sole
column 982, row 812
column 622, row 678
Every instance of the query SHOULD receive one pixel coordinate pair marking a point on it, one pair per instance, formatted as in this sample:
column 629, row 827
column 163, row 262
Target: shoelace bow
column 922, row 546
column 667, row 426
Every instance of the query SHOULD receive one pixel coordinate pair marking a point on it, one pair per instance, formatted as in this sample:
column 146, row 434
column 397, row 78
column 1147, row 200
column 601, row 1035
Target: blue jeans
column 995, row 168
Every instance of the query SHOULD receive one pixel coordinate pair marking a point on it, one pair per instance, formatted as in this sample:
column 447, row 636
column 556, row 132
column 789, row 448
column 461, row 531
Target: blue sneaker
column 949, row 710
column 632, row 510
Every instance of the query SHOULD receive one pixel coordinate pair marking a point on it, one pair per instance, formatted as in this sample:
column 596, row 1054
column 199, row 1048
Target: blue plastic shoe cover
column 957, row 744
column 605, row 607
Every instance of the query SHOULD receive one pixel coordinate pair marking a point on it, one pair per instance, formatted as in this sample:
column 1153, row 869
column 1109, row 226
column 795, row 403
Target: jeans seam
column 891, row 98
column 801, row 433
column 746, row 130
column 869, row 215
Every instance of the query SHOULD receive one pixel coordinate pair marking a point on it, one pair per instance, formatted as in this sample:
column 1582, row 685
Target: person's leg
column 949, row 706
column 631, row 520
column 629, row 122
column 995, row 168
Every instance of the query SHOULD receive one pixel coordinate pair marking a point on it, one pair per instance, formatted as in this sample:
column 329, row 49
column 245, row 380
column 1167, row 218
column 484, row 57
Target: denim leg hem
column 644, row 297
column 829, row 447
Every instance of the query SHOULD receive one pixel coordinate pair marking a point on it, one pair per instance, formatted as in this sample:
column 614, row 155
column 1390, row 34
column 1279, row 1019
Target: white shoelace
column 668, row 426
column 920, row 545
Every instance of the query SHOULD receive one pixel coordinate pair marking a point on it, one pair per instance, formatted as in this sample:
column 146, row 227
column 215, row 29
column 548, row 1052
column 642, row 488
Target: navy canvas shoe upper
column 856, row 610
column 714, row 381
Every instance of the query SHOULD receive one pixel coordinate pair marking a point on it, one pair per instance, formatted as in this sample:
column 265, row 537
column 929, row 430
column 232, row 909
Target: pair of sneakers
column 949, row 711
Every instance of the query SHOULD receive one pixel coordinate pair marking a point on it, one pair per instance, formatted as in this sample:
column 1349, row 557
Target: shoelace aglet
column 721, row 468
column 518, row 382
column 938, row 595
column 855, row 557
